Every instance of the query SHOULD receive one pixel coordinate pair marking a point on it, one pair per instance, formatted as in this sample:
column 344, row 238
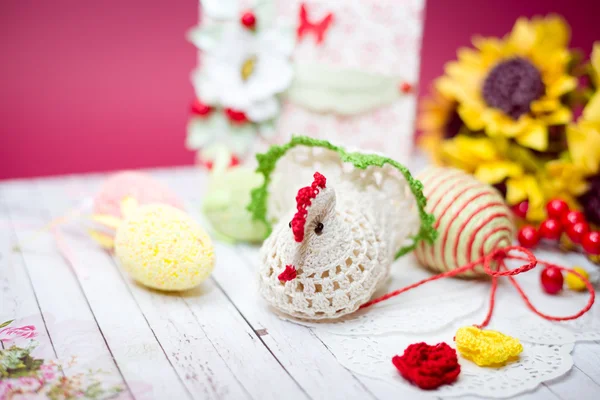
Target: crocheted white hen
column 336, row 233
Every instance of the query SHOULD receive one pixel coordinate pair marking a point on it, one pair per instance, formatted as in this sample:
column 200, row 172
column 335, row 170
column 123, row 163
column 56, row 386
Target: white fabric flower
column 206, row 132
column 245, row 70
column 220, row 9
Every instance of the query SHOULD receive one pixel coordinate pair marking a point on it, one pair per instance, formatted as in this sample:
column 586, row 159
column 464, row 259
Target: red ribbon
column 499, row 256
column 319, row 28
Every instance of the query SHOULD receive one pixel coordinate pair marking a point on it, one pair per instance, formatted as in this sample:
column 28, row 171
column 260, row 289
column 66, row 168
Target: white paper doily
column 365, row 342
column 371, row 356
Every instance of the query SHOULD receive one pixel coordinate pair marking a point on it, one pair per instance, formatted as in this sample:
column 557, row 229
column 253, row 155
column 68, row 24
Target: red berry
column 552, row 280
column 201, row 109
column 591, row 243
column 528, row 236
column 576, row 231
column 248, row 19
column 550, row 229
column 571, row 218
column 235, row 116
column 520, row 209
column 406, row 87
column 556, row 208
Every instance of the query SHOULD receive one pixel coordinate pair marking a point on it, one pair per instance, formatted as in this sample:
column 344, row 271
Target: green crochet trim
column 268, row 160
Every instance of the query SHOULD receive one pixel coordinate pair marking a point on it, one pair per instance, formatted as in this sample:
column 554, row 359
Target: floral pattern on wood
column 22, row 376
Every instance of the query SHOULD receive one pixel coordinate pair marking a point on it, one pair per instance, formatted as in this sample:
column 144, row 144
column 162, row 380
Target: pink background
column 103, row 85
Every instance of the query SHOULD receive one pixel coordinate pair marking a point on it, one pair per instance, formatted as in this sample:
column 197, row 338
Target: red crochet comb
column 303, row 201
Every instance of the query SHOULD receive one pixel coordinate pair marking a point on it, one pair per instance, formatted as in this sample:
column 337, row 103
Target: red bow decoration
column 318, row 28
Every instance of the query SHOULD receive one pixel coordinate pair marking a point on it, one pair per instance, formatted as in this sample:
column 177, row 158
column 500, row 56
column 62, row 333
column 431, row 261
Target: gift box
column 341, row 71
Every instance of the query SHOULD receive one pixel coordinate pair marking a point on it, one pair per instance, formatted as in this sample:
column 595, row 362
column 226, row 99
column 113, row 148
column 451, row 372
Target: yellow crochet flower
column 512, row 87
column 486, row 348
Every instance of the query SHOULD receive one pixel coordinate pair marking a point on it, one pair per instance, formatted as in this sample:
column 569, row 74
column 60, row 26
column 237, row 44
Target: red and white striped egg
column 471, row 217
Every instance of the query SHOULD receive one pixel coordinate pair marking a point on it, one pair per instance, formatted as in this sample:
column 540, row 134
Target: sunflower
column 584, row 137
column 513, row 87
column 438, row 120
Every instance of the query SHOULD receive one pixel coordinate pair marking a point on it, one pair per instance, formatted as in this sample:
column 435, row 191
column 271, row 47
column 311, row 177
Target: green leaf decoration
column 324, row 88
column 6, row 323
column 16, row 362
column 267, row 162
column 202, row 132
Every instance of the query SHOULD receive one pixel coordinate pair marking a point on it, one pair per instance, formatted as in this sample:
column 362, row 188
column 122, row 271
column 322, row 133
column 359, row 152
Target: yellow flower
column 595, row 61
column 486, row 348
column 565, row 180
column 481, row 156
column 497, row 171
column 527, row 187
column 468, row 153
column 584, row 138
column 584, row 146
column 592, row 109
column 512, row 87
column 489, row 159
column 437, row 121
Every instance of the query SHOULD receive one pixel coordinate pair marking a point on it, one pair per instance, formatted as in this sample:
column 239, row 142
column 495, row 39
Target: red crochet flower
column 428, row 367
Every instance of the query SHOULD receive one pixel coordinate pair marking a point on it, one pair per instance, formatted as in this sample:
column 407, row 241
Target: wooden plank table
column 214, row 342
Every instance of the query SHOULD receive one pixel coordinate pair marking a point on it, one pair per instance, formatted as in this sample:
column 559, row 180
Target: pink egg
column 140, row 186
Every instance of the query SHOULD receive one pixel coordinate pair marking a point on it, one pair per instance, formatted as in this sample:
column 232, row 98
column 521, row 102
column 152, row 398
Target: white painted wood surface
column 215, row 342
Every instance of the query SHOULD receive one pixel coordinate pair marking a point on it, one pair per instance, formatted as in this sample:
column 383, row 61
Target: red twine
column 303, row 201
column 427, row 366
column 499, row 256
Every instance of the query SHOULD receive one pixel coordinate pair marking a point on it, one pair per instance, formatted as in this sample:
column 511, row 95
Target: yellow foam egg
column 163, row 248
column 574, row 282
